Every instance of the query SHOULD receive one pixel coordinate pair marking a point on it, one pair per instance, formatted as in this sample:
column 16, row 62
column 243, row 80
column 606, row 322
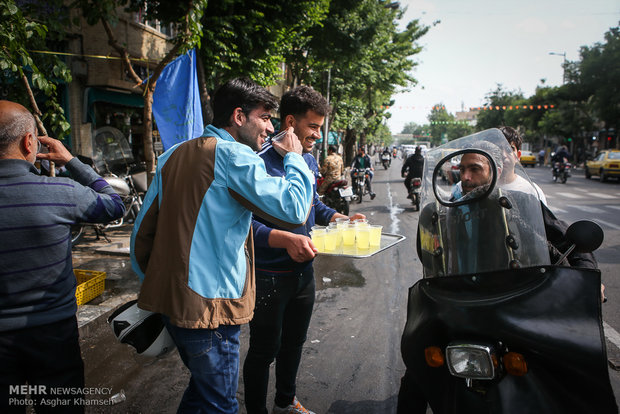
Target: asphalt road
column 351, row 362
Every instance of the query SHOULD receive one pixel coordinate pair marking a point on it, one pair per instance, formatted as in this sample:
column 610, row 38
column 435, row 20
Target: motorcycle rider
column 413, row 167
column 410, row 399
column 332, row 169
column 562, row 155
column 361, row 162
column 386, row 154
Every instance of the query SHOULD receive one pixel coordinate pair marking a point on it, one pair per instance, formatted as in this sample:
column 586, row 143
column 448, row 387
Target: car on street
column 605, row 165
column 528, row 158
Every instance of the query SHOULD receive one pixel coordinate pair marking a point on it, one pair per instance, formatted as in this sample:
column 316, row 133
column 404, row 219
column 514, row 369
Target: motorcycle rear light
column 515, row 364
column 472, row 361
column 434, row 356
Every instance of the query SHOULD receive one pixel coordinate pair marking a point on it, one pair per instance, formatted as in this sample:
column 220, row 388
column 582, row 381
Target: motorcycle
column 386, row 160
column 115, row 163
column 337, row 195
column 360, row 182
column 414, row 192
column 494, row 325
column 561, row 171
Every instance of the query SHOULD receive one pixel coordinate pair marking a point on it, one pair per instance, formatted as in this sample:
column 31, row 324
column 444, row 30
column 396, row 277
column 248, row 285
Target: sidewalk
column 121, row 284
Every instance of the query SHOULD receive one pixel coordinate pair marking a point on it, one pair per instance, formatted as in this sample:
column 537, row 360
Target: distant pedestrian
column 192, row 243
column 38, row 327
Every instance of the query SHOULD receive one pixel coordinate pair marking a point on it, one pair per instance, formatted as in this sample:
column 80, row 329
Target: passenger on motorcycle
column 362, row 161
column 332, row 169
column 562, row 155
column 413, row 167
column 509, row 179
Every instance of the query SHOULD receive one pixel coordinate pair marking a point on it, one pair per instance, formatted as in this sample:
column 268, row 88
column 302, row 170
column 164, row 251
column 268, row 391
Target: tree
column 368, row 57
column 184, row 14
column 32, row 77
column 497, row 102
column 599, row 76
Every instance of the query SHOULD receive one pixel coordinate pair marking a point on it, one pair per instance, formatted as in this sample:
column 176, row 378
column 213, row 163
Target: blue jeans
column 212, row 357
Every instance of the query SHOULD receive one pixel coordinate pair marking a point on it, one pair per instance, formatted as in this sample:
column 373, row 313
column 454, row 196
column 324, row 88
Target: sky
column 479, row 44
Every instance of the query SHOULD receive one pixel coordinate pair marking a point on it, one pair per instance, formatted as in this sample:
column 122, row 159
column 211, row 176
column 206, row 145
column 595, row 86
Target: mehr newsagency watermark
column 44, row 396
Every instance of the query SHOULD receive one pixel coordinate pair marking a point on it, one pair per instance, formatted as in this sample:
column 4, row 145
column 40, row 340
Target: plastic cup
column 348, row 236
column 375, row 235
column 342, row 222
column 362, row 237
column 318, row 238
column 360, row 222
column 331, row 240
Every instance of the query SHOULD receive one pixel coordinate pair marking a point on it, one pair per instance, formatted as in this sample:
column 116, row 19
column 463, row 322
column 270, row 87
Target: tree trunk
column 349, row 146
column 205, row 98
column 149, row 155
column 37, row 115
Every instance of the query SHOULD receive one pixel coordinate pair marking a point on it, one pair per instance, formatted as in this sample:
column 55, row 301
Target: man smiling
column 284, row 275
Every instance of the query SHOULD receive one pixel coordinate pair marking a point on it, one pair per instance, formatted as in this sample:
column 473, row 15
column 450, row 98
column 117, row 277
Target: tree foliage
column 29, row 76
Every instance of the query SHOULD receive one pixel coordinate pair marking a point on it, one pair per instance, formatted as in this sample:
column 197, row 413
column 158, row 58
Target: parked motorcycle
column 561, row 171
column 360, row 179
column 414, row 192
column 337, row 195
column 386, row 160
column 495, row 326
column 115, row 163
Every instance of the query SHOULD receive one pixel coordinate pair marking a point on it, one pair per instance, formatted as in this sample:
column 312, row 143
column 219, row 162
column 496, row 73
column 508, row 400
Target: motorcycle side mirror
column 463, row 177
column 586, row 235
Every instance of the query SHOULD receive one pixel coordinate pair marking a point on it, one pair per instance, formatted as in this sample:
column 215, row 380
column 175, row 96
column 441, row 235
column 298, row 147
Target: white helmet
column 144, row 330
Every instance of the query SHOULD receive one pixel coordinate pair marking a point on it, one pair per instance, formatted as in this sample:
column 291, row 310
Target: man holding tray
column 284, row 276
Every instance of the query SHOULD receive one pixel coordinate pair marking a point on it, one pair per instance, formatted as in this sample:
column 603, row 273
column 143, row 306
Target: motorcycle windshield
column 480, row 212
column 111, row 148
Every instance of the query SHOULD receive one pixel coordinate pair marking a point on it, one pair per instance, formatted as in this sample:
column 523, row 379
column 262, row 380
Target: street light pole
column 563, row 64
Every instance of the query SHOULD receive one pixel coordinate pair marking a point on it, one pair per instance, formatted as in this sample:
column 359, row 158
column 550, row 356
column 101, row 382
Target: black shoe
column 372, row 196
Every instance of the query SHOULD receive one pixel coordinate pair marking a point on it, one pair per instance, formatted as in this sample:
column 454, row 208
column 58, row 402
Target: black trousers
column 47, row 358
column 277, row 331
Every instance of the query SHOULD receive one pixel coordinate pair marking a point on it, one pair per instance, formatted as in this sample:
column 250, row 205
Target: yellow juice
column 375, row 235
column 362, row 237
column 318, row 238
column 331, row 240
column 348, row 236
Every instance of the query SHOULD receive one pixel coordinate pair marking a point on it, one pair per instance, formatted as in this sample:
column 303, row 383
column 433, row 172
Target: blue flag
column 176, row 101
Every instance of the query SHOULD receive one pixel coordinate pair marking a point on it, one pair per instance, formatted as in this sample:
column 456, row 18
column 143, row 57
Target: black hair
column 332, row 148
column 302, row 99
column 512, row 136
column 240, row 93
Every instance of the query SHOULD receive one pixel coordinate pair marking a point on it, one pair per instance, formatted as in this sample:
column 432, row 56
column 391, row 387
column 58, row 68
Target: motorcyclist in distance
column 413, row 167
column 362, row 161
column 562, row 155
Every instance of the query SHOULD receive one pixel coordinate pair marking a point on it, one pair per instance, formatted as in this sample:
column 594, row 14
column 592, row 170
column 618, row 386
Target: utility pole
column 326, row 124
column 563, row 65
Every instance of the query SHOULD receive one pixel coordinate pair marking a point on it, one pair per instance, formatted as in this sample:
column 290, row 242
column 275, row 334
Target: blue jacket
column 37, row 284
column 191, row 242
column 273, row 261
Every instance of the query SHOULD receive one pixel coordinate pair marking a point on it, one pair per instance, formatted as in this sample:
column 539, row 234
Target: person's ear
column 28, row 145
column 289, row 121
column 238, row 117
column 518, row 154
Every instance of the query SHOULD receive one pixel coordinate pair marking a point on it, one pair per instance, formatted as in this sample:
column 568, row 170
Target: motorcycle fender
column 118, row 184
column 551, row 315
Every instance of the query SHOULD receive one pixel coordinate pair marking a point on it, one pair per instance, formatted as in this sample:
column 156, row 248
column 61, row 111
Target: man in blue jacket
column 284, row 275
column 38, row 327
column 192, row 243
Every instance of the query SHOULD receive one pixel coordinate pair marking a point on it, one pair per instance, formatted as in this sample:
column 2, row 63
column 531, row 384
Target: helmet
column 144, row 330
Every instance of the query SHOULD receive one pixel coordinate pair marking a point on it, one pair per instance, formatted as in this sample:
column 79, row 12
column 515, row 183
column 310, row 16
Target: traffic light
column 570, row 139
